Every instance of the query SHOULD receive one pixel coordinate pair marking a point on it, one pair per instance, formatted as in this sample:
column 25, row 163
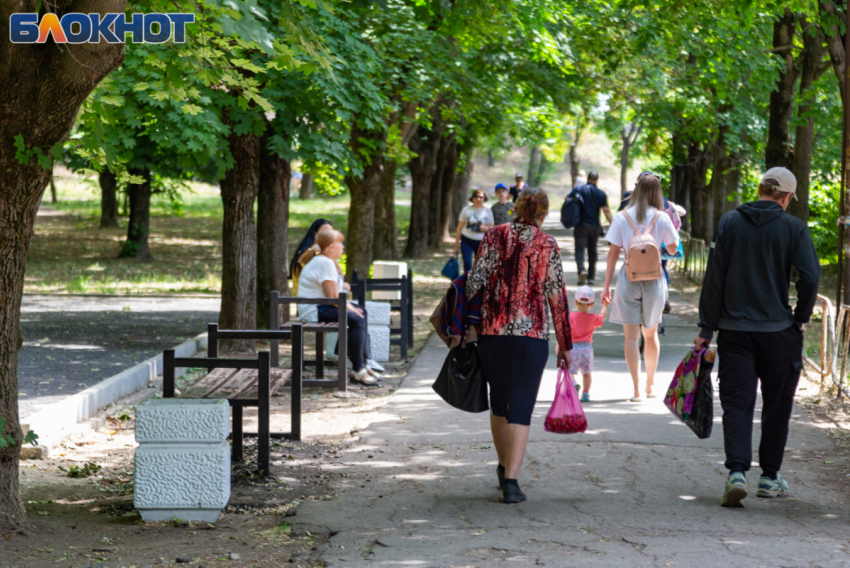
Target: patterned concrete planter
column 183, row 459
column 379, row 332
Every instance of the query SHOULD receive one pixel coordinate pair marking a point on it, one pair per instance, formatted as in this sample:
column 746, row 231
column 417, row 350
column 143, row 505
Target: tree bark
column 239, row 189
column 460, row 195
column 305, row 190
column 364, row 190
column 108, row 200
column 41, row 89
column 53, row 197
column 834, row 42
column 435, row 206
column 810, row 70
column 574, row 161
column 447, row 191
column 533, row 159
column 717, row 186
column 778, row 150
column 697, row 190
column 272, row 231
column 629, row 136
column 426, row 145
column 490, row 160
column 385, row 244
column 138, row 229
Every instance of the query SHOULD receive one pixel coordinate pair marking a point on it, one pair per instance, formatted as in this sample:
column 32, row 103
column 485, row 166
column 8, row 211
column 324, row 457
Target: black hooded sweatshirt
column 749, row 271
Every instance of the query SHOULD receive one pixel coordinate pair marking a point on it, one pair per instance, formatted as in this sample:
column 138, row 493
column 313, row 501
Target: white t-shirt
column 475, row 216
column 319, row 269
column 621, row 232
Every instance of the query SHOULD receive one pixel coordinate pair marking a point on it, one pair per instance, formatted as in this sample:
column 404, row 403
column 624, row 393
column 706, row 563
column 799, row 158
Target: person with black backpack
column 588, row 229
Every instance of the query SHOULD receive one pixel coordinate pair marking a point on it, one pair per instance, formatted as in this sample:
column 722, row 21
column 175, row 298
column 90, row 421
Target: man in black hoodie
column 745, row 297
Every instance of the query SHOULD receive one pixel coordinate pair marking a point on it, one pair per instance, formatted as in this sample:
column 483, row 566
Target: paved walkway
column 74, row 342
column 637, row 489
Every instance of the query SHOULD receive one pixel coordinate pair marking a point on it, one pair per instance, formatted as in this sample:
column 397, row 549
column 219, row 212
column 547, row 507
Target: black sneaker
column 582, row 278
column 591, row 282
column 513, row 494
column 500, row 473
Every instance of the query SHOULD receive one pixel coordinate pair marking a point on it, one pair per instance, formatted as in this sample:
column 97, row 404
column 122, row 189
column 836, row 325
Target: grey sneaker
column 736, row 491
column 768, row 487
column 582, row 278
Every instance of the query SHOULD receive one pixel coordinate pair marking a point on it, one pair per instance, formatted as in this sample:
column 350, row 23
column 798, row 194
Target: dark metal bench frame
column 404, row 285
column 341, row 382
column 263, row 364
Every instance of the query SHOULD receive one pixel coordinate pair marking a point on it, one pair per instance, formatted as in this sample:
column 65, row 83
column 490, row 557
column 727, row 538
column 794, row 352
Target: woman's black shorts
column 513, row 367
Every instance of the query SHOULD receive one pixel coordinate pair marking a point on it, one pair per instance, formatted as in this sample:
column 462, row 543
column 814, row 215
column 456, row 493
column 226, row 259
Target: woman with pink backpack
column 641, row 290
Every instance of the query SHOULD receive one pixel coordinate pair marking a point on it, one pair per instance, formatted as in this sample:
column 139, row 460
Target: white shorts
column 638, row 302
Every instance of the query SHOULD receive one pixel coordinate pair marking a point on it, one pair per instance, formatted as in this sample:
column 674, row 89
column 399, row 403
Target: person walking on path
column 588, row 231
column 745, row 297
column 321, row 278
column 504, row 209
column 517, row 188
column 582, row 325
column 473, row 222
column 518, row 271
column 638, row 305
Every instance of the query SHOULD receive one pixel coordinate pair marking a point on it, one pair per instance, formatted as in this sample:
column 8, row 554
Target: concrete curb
column 54, row 422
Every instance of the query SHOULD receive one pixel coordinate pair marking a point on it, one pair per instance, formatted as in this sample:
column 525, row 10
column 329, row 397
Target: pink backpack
column 643, row 259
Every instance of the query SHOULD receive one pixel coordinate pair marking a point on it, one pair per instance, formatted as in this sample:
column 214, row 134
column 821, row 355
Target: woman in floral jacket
column 518, row 269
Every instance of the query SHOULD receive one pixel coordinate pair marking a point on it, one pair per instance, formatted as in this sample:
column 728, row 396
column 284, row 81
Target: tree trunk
column 697, row 190
column 574, row 161
column 810, row 69
column 435, row 206
column 490, row 161
column 778, row 150
column 717, row 187
column 733, row 183
column 447, row 191
column 53, row 197
column 108, row 200
column 624, row 162
column 239, row 189
column 426, row 145
column 385, row 244
column 834, row 42
column 460, row 195
column 41, row 89
column 272, row 231
column 364, row 190
column 305, row 191
column 533, row 158
column 138, row 229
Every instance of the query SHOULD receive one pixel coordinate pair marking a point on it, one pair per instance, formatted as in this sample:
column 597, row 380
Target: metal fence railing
column 695, row 258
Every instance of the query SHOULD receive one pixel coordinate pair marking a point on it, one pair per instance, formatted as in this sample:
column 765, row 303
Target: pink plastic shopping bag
column 566, row 415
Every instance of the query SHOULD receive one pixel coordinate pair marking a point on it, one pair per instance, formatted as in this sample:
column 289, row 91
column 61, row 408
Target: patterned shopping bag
column 690, row 396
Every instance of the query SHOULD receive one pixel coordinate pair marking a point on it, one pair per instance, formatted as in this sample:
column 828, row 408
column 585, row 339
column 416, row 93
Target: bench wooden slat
column 210, row 382
column 234, row 385
column 313, row 326
column 279, row 377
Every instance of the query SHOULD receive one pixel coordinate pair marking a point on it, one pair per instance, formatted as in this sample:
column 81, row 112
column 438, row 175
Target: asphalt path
column 74, row 342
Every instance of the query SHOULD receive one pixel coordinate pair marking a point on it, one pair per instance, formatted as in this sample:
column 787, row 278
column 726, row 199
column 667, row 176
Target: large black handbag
column 702, row 416
column 461, row 381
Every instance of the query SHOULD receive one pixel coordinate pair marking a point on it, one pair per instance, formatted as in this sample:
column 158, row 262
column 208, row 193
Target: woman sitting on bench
column 321, row 278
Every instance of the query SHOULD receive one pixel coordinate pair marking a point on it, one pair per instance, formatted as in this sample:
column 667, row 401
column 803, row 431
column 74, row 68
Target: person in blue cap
column 504, row 209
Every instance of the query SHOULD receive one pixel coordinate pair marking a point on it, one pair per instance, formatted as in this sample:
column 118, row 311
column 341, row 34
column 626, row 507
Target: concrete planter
column 183, row 460
column 379, row 332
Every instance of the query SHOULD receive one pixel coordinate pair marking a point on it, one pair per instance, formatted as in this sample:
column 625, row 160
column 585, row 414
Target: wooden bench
column 403, row 285
column 320, row 329
column 245, row 382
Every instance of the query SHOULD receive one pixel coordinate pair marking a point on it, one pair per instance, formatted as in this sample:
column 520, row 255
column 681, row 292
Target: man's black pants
column 745, row 357
column 587, row 237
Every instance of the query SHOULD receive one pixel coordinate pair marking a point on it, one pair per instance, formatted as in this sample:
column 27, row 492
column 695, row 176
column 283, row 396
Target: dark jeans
column 666, row 274
column 358, row 339
column 468, row 247
column 745, row 357
column 587, row 237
